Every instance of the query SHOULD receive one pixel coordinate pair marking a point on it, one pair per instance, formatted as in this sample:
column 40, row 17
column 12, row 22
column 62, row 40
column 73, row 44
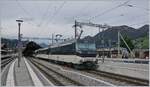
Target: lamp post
column 19, row 42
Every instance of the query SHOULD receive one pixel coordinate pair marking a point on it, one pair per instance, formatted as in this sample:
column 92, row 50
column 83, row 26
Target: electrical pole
column 126, row 45
column 110, row 48
column 49, row 48
column 118, row 43
column 52, row 39
column 19, row 42
column 93, row 25
column 75, row 26
column 103, row 56
column 0, row 28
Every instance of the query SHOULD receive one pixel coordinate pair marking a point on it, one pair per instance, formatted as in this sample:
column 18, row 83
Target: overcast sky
column 44, row 17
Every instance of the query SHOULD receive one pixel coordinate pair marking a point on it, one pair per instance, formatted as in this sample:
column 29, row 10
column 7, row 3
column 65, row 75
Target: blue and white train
column 75, row 53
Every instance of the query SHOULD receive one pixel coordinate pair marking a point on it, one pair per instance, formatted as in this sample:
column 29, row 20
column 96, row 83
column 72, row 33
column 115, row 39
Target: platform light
column 19, row 41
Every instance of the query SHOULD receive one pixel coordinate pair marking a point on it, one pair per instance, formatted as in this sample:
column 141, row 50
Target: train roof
column 63, row 43
column 57, row 45
column 68, row 42
column 41, row 49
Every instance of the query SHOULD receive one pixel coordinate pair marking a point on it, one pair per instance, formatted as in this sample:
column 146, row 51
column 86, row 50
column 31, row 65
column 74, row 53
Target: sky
column 42, row 18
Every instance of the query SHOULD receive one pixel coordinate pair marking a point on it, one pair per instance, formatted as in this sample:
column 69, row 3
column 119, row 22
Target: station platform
column 135, row 70
column 24, row 75
column 29, row 75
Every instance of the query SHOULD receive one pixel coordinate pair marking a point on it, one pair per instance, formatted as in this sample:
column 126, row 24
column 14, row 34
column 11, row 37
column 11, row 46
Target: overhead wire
column 61, row 6
column 109, row 10
column 44, row 15
column 26, row 12
column 146, row 9
column 81, row 10
column 55, row 13
column 0, row 23
column 126, row 18
column 44, row 25
column 125, row 3
column 43, row 18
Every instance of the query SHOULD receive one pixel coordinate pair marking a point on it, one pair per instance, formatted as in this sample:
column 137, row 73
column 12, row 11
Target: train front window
column 86, row 46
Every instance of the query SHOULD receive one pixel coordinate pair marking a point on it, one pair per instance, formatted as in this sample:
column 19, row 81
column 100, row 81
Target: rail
column 138, row 61
column 121, row 78
column 46, row 70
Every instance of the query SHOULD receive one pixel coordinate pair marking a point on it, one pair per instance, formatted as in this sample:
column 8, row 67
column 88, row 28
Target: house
column 112, row 52
column 141, row 53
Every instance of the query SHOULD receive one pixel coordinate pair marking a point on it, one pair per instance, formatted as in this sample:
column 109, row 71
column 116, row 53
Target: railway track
column 56, row 78
column 129, row 80
column 118, row 79
column 4, row 62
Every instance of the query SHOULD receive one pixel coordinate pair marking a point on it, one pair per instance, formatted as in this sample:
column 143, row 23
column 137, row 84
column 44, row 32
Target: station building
column 112, row 52
column 141, row 53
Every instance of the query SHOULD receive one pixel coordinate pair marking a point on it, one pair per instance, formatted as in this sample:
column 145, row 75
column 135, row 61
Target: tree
column 128, row 41
column 30, row 48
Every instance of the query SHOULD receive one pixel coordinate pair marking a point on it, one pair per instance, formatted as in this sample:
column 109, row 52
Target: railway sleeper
column 137, row 81
column 60, row 84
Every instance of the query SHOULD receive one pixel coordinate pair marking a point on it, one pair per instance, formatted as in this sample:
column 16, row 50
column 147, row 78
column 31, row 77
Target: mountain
column 110, row 35
column 143, row 31
column 30, row 48
column 142, row 42
column 11, row 43
column 43, row 45
column 87, row 38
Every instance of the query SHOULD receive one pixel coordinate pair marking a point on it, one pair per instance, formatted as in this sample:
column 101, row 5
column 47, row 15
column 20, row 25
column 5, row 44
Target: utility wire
column 26, row 12
column 146, row 9
column 23, row 8
column 43, row 18
column 56, row 12
column 81, row 10
column 44, row 15
column 0, row 23
column 111, row 9
column 131, row 17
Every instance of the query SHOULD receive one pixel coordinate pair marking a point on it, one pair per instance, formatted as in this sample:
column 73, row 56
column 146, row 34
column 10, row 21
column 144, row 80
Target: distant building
column 141, row 53
column 3, row 46
column 112, row 52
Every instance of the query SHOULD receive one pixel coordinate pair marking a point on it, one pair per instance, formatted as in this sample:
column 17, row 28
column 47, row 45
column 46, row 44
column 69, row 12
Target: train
column 78, row 54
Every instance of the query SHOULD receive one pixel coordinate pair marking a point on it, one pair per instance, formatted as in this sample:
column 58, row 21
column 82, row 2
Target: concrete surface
column 34, row 77
column 128, row 69
column 22, row 76
column 10, row 77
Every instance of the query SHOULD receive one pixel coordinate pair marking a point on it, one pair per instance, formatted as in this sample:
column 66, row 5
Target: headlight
column 81, row 61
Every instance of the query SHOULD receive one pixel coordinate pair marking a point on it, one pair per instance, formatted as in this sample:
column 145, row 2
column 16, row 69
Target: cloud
column 41, row 18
